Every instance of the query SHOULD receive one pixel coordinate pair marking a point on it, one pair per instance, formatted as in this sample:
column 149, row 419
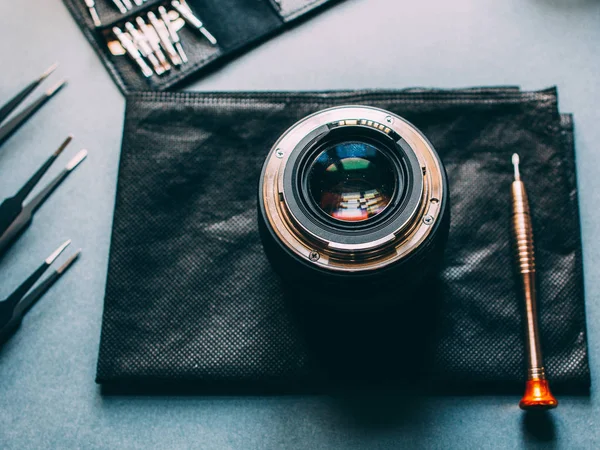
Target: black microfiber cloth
column 192, row 302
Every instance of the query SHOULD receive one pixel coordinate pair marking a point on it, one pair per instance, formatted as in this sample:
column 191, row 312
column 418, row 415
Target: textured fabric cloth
column 192, row 301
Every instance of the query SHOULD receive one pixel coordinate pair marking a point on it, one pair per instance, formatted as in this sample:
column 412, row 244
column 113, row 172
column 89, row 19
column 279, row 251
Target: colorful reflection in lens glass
column 352, row 181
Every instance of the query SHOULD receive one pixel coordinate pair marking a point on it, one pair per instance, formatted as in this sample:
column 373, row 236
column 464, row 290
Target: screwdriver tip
column 515, row 161
column 48, row 71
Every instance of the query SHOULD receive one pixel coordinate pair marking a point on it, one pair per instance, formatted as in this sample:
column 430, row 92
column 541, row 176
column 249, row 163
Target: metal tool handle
column 537, row 390
column 522, row 229
column 523, row 239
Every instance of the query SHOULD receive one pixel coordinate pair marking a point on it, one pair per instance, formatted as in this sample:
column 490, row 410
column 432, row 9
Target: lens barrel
column 354, row 199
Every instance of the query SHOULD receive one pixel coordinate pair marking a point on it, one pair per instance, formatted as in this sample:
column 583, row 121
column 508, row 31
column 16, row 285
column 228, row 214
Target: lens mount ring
column 413, row 213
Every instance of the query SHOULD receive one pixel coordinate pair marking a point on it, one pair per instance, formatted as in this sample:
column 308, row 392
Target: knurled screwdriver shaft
column 537, row 390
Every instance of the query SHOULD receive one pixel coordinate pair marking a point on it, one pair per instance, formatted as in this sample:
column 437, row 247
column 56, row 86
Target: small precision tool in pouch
column 17, row 121
column 142, row 44
column 132, row 51
column 165, row 38
column 153, row 39
column 537, row 391
column 172, row 32
column 16, row 305
column 194, row 21
column 120, row 6
column 154, row 42
column 91, row 5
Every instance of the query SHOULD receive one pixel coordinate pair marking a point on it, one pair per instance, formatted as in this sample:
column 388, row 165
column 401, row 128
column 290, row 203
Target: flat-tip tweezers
column 16, row 217
column 16, row 305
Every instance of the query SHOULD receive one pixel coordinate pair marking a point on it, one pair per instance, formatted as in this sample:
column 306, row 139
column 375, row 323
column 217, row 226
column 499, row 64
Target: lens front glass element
column 352, row 181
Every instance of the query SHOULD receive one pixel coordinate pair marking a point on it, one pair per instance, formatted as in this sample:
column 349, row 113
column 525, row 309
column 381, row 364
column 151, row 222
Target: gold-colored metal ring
column 338, row 256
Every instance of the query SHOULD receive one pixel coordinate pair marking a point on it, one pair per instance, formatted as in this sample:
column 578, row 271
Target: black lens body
column 353, row 185
column 390, row 284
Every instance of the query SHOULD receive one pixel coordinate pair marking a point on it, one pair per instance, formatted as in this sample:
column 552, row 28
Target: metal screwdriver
column 172, row 32
column 91, row 5
column 139, row 39
column 165, row 38
column 154, row 41
column 193, row 20
column 132, row 50
column 120, row 6
column 537, row 390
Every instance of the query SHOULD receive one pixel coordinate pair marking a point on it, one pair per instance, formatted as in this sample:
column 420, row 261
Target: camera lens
column 351, row 198
column 352, row 181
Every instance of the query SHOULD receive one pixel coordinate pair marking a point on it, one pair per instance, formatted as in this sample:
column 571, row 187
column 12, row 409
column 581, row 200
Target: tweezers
column 16, row 305
column 11, row 207
column 11, row 126
column 24, row 216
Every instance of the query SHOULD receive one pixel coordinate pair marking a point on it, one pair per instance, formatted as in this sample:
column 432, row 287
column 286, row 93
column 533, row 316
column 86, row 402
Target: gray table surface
column 47, row 393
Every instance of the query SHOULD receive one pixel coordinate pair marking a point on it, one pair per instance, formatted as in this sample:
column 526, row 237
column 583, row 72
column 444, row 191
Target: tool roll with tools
column 157, row 44
column 330, row 266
